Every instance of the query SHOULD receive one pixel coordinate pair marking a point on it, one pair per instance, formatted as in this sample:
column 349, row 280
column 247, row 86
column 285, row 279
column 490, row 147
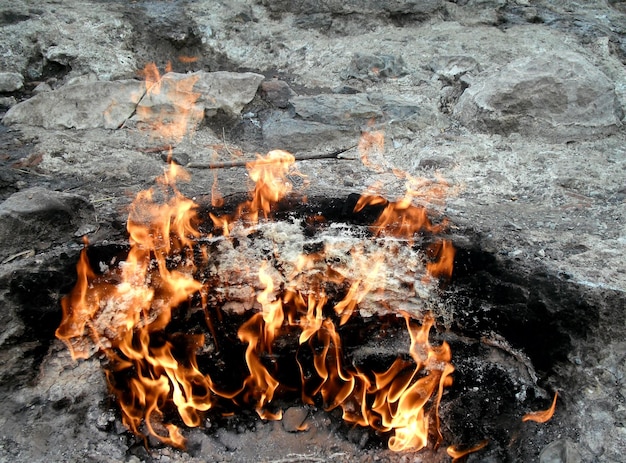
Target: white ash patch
column 379, row 274
column 390, row 273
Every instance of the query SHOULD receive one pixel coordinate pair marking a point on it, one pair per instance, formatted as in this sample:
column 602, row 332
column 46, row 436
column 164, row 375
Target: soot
column 489, row 296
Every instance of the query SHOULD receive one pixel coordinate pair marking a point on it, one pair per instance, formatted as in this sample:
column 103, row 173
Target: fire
column 127, row 311
column 169, row 109
column 458, row 453
column 543, row 415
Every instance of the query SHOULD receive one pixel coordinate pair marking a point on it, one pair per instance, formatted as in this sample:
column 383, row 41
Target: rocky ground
column 517, row 105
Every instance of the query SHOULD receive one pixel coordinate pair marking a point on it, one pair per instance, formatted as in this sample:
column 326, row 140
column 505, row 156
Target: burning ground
column 503, row 119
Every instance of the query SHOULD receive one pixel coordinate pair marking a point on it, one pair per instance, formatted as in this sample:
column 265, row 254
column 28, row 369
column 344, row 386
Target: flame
column 169, row 109
column 457, row 453
column 371, row 144
column 153, row 370
column 399, row 397
column 148, row 370
column 188, row 59
column 270, row 176
column 443, row 264
column 79, row 308
column 543, row 415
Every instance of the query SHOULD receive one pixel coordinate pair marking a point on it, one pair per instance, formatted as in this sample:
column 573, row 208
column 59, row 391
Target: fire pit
column 288, row 305
column 291, row 325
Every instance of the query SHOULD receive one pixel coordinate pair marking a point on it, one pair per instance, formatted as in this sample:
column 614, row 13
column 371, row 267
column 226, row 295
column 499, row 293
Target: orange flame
column 543, row 415
column 156, row 375
column 188, row 59
column 458, row 453
column 162, row 224
column 270, row 174
column 169, row 107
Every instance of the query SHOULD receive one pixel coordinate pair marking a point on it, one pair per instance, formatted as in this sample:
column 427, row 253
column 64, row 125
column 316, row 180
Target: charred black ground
column 511, row 327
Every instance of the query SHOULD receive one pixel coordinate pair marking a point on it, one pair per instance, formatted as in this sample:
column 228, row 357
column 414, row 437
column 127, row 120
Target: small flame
column 372, row 145
column 169, row 109
column 270, row 174
column 458, row 453
column 188, row 59
column 443, row 264
column 543, row 415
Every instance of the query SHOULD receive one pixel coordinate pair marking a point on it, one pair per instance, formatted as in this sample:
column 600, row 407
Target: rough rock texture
column 514, row 104
column 80, row 106
column 36, row 218
column 414, row 7
column 70, row 39
column 11, row 82
column 562, row 96
column 109, row 105
column 226, row 91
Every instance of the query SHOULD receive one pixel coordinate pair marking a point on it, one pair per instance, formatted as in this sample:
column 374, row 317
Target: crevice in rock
column 165, row 35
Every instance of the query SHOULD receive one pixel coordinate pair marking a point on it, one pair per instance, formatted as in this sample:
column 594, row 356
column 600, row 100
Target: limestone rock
column 376, row 67
column 80, row 106
column 562, row 97
column 412, row 7
column 170, row 106
column 336, row 109
column 73, row 39
column 177, row 103
column 321, row 120
column 453, row 67
column 283, row 132
column 228, row 91
column 560, row 451
column 11, row 82
column 175, row 97
column 404, row 110
column 294, row 418
column 277, row 93
column 36, row 218
column 200, row 91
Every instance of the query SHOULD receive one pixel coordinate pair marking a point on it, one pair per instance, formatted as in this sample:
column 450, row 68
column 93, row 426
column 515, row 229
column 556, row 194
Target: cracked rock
column 80, row 106
column 562, row 97
column 36, row 218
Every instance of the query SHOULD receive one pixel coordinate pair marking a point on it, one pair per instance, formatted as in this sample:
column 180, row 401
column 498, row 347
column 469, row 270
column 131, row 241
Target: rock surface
column 560, row 96
column 37, row 219
column 11, row 82
column 517, row 105
column 177, row 98
column 90, row 105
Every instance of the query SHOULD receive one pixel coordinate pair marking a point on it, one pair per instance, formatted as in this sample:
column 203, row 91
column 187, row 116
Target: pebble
column 294, row 418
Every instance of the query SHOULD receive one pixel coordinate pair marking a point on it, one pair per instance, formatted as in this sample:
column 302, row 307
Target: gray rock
column 336, row 109
column 277, row 93
column 77, row 38
column 37, row 218
column 396, row 107
column 80, row 106
column 230, row 439
column 228, row 91
column 560, row 451
column 562, row 97
column 7, row 101
column 375, row 67
column 179, row 102
column 365, row 7
column 170, row 106
column 176, row 97
column 283, row 132
column 452, row 67
column 293, row 418
column 11, row 82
